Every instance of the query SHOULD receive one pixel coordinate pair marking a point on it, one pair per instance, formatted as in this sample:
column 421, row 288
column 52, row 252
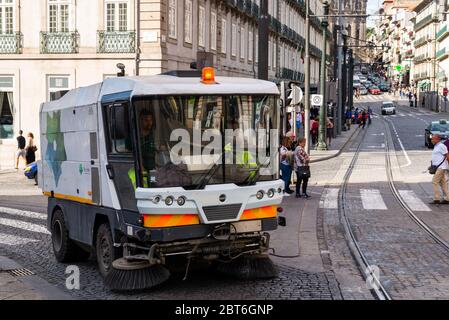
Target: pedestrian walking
column 439, row 167
column 286, row 166
column 302, row 168
column 30, row 149
column 21, row 153
column 330, row 131
column 314, row 128
column 370, row 115
column 348, row 117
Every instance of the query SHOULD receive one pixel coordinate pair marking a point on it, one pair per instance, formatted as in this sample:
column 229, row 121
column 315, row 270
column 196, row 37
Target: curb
column 28, row 285
column 339, row 152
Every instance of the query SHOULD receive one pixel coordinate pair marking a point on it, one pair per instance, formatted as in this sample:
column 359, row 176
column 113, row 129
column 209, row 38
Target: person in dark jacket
column 30, row 149
column 21, row 144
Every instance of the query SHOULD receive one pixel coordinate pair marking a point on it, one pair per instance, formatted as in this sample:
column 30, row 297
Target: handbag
column 433, row 169
column 303, row 172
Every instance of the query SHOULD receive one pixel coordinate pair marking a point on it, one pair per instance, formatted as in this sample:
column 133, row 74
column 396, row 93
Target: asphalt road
column 325, row 268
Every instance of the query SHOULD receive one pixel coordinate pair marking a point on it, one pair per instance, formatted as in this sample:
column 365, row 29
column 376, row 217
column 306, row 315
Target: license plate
column 248, row 226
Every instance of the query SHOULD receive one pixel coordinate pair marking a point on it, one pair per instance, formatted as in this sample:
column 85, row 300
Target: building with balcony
column 426, row 25
column 79, row 42
column 442, row 55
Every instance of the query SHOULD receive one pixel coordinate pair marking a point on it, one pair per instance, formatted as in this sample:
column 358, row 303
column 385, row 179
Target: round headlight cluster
column 181, row 201
column 157, row 199
column 271, row 193
column 169, row 201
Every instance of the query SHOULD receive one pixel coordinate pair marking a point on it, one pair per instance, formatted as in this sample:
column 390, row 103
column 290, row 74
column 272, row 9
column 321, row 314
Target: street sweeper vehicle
column 143, row 171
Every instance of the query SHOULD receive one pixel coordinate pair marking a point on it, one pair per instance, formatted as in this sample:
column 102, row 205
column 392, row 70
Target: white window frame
column 224, row 36
column 116, row 4
column 213, row 31
column 52, row 90
column 3, row 6
column 202, row 26
column 251, row 45
column 172, row 19
column 188, row 21
column 242, row 42
column 59, row 3
column 234, row 40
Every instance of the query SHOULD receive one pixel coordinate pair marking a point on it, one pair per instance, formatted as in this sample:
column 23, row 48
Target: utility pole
column 263, row 40
column 307, row 80
column 340, row 105
column 323, row 111
column 344, row 80
column 351, row 79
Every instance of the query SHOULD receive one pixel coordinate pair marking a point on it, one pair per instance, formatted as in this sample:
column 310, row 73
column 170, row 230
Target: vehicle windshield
column 388, row 105
column 194, row 141
column 374, row 87
column 440, row 127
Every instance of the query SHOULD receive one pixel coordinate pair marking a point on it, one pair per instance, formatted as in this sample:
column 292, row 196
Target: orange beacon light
column 208, row 76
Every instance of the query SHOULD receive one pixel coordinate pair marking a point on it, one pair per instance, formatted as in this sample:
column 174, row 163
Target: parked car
column 374, row 90
column 31, row 171
column 388, row 107
column 363, row 91
column 384, row 87
column 436, row 127
column 368, row 84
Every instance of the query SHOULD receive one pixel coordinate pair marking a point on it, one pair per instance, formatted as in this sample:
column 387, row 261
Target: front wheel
column 105, row 250
column 64, row 249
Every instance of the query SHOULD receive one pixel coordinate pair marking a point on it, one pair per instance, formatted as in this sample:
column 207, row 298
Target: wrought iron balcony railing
column 59, row 42
column 11, row 43
column 116, row 41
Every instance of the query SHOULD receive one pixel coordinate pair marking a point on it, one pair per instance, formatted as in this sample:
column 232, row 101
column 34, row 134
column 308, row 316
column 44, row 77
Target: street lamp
column 322, row 132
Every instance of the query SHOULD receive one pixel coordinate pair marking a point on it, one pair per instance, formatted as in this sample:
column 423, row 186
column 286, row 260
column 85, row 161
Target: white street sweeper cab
column 139, row 170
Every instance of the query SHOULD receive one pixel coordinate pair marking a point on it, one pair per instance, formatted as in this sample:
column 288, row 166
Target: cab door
column 120, row 147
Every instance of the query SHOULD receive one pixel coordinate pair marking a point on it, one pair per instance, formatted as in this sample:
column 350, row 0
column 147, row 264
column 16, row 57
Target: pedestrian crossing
column 372, row 200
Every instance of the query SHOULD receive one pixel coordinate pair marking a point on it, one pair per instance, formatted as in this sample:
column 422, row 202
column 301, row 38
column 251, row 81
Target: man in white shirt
column 440, row 159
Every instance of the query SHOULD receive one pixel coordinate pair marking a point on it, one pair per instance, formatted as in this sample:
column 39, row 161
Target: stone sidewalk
column 18, row 283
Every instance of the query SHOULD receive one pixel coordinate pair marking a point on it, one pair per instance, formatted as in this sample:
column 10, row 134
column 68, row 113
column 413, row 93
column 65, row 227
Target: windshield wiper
column 208, row 177
column 255, row 174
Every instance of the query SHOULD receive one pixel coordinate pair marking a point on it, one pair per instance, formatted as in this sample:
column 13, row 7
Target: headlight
column 270, row 193
column 181, row 201
column 260, row 194
column 156, row 199
column 169, row 201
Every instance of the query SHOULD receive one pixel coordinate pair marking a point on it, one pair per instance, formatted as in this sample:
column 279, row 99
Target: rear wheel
column 64, row 249
column 105, row 250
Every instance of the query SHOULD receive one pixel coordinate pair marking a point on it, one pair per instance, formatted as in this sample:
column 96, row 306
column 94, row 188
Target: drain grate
column 20, row 272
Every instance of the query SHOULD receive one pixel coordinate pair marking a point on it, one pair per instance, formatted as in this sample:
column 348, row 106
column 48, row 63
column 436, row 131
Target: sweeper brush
column 127, row 275
column 250, row 267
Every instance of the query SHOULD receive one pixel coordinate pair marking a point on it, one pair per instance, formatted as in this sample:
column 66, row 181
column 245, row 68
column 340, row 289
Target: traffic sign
column 296, row 95
column 317, row 100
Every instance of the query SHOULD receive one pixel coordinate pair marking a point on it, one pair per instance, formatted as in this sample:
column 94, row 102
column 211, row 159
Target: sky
column 373, row 6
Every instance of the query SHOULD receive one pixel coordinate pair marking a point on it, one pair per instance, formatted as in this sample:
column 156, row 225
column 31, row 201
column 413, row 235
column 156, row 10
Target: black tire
column 36, row 180
column 105, row 250
column 64, row 249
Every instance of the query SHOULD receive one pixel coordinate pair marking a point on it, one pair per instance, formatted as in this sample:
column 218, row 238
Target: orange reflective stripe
column 260, row 213
column 170, row 220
